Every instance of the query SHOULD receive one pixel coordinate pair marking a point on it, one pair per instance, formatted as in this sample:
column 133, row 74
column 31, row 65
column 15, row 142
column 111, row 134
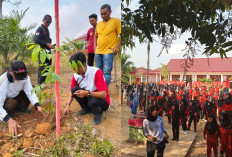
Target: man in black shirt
column 42, row 37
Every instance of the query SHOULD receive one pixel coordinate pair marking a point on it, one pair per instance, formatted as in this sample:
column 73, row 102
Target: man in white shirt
column 89, row 88
column 15, row 94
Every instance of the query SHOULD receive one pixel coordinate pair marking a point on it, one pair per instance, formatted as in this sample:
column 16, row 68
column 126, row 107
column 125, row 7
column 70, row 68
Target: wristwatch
column 89, row 93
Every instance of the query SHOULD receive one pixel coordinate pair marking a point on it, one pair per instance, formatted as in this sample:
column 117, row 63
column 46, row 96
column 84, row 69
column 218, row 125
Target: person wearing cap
column 89, row 88
column 107, row 41
column 90, row 39
column 15, row 94
column 42, row 37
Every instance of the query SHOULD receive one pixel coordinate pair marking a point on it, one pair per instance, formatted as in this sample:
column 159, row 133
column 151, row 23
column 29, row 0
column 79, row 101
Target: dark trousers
column 151, row 147
column 91, row 59
column 41, row 79
column 95, row 105
column 16, row 104
column 194, row 119
column 209, row 147
column 175, row 129
column 169, row 117
column 184, row 122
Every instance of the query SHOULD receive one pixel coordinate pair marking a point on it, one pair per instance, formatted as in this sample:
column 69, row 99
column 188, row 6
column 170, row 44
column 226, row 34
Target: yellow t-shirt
column 107, row 33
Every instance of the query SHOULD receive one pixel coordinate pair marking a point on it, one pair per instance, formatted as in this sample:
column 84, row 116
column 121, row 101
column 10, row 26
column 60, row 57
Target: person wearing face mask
column 155, row 132
column 42, row 37
column 15, row 94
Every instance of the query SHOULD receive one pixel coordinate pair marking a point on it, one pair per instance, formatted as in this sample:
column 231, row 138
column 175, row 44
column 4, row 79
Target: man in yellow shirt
column 107, row 41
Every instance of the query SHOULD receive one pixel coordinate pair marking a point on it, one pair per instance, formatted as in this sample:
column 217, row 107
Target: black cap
column 48, row 18
column 19, row 69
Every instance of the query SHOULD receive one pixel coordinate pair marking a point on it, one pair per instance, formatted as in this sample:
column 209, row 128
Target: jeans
column 105, row 63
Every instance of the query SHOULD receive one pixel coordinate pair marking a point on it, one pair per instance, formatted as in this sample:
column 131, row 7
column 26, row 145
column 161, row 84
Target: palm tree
column 164, row 71
column 127, row 67
column 13, row 38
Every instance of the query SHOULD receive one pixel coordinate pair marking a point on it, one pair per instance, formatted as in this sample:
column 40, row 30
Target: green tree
column 209, row 24
column 164, row 71
column 127, row 67
column 13, row 38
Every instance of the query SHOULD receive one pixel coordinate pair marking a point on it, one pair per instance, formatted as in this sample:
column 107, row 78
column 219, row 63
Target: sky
column 139, row 53
column 74, row 20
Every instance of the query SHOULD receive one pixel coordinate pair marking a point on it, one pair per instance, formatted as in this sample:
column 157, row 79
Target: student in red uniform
column 220, row 105
column 201, row 101
column 184, row 112
column 193, row 115
column 89, row 88
column 226, row 131
column 217, row 89
column 228, row 105
column 175, row 119
column 213, row 133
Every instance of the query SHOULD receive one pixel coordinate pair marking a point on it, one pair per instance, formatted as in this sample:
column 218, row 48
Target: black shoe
column 173, row 139
column 195, row 130
column 83, row 112
column 98, row 118
column 25, row 110
column 177, row 139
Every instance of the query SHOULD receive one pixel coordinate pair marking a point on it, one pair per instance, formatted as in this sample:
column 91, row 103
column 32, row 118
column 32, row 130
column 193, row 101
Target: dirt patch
column 43, row 128
column 7, row 155
column 27, row 142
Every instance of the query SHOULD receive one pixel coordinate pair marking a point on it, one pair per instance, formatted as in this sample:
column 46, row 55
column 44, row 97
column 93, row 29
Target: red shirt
column 94, row 81
column 217, row 89
column 212, row 139
column 90, row 39
column 226, row 140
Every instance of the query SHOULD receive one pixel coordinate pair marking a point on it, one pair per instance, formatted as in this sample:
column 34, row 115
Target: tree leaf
column 35, row 53
column 43, row 56
column 48, row 79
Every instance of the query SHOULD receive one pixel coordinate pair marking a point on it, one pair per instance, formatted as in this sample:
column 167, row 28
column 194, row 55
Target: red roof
column 143, row 71
column 202, row 65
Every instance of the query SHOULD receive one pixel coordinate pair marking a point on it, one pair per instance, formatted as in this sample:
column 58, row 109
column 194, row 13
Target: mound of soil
column 43, row 128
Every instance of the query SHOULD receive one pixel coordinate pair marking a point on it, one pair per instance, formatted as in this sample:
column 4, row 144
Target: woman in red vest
column 226, row 131
column 213, row 133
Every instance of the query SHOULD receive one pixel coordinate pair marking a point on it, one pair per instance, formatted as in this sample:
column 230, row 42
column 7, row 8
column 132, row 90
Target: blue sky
column 139, row 53
column 74, row 14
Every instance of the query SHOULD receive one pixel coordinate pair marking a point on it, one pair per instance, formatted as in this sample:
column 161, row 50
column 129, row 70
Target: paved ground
column 173, row 149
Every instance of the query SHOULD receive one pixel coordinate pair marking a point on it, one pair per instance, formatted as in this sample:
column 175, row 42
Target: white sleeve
column 27, row 89
column 145, row 126
column 3, row 91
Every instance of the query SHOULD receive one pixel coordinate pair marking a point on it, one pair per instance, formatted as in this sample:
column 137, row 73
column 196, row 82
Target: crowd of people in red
column 183, row 105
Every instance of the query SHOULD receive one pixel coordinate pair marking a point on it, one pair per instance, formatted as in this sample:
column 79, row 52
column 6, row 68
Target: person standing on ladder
column 42, row 37
column 106, row 42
